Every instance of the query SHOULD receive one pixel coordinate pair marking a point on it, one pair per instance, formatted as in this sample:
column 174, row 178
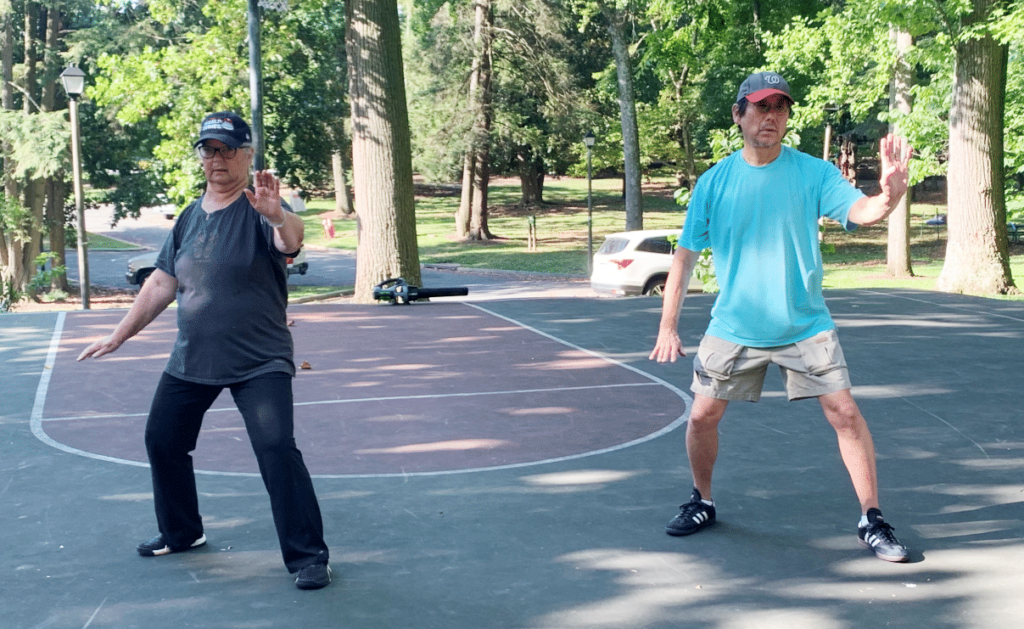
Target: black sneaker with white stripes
column 692, row 517
column 878, row 536
column 157, row 546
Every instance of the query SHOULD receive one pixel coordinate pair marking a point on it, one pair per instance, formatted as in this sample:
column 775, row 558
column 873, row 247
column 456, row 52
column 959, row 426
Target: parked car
column 141, row 266
column 636, row 263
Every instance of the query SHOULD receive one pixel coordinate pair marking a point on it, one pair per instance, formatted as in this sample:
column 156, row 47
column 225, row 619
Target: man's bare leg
column 702, row 440
column 855, row 445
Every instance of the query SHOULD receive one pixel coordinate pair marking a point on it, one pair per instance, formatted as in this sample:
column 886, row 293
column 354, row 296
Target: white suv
column 636, row 263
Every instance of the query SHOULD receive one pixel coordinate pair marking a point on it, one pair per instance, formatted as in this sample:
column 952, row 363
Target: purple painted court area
column 389, row 390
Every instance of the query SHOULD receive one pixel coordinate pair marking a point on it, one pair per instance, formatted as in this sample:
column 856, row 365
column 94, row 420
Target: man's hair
column 741, row 104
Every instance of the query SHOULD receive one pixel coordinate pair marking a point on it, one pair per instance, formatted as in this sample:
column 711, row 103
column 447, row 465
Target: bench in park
column 1014, row 231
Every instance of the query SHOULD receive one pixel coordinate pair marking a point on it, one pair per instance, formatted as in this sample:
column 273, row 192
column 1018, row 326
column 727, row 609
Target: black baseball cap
column 761, row 85
column 225, row 126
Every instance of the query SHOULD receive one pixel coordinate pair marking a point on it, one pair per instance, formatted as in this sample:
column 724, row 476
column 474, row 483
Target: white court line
column 950, row 306
column 44, row 381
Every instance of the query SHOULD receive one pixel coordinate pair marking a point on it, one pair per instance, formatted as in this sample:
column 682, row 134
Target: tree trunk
column 6, row 60
column 342, row 193
column 478, row 228
column 23, row 250
column 627, row 111
column 54, row 187
column 691, row 163
column 55, row 193
column 10, row 192
column 531, row 176
column 897, row 259
column 464, row 214
column 381, row 151
column 28, row 104
column 977, row 260
column 471, row 218
column 465, row 211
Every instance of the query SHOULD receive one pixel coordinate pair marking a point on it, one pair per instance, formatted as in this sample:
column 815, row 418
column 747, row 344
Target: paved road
column 327, row 267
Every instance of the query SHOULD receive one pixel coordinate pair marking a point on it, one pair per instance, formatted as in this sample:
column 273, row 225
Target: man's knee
column 706, row 414
column 843, row 413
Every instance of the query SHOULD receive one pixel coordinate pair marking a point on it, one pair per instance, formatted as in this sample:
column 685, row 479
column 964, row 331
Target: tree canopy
column 155, row 68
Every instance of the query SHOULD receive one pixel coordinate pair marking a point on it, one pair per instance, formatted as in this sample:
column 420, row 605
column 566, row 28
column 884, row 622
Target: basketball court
column 511, row 465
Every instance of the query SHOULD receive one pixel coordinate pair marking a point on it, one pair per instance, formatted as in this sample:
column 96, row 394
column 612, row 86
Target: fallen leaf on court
column 305, row 365
column 291, row 322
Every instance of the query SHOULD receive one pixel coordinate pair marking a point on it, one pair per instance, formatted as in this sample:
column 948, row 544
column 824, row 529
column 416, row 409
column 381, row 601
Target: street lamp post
column 74, row 84
column 589, row 140
column 256, row 86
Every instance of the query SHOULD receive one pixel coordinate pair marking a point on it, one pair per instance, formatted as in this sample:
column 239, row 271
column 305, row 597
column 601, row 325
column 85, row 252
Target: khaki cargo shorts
column 812, row 367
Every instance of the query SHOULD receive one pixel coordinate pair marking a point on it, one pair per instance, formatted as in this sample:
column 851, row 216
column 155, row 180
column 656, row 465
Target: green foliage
column 437, row 58
column 1013, row 118
column 724, row 142
column 682, row 196
column 124, row 173
column 306, row 81
column 198, row 73
column 1015, row 209
column 202, row 66
column 541, row 69
column 16, row 221
column 705, row 272
column 9, row 295
column 39, row 142
column 842, row 59
column 43, row 278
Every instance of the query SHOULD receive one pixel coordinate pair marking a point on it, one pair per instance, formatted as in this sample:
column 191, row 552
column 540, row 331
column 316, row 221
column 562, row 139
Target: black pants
column 266, row 406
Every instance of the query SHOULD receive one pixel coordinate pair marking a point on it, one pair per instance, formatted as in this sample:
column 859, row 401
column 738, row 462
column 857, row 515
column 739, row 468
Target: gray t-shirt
column 232, row 295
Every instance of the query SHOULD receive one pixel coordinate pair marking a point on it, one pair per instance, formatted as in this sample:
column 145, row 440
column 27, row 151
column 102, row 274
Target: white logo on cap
column 772, row 79
column 218, row 123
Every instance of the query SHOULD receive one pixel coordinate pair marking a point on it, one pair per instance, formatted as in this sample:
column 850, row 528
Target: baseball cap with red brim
column 761, row 85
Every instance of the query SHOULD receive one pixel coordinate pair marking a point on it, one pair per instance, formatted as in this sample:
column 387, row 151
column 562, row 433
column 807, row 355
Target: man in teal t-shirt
column 758, row 211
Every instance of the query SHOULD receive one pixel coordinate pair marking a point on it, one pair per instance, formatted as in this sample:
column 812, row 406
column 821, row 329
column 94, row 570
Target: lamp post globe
column 74, row 81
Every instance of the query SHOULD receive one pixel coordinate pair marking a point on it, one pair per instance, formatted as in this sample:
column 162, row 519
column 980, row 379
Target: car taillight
column 622, row 263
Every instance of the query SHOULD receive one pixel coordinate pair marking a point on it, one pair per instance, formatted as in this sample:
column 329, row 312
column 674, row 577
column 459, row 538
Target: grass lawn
column 99, row 242
column 858, row 260
column 561, row 224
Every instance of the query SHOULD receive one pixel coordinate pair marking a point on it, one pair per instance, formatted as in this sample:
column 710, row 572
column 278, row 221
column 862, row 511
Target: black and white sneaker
column 157, row 546
column 692, row 517
column 878, row 536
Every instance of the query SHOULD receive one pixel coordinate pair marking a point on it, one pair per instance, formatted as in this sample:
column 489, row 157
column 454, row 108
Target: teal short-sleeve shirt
column 761, row 224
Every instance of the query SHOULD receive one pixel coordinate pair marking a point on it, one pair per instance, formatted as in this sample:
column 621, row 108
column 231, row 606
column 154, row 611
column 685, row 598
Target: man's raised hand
column 895, row 153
